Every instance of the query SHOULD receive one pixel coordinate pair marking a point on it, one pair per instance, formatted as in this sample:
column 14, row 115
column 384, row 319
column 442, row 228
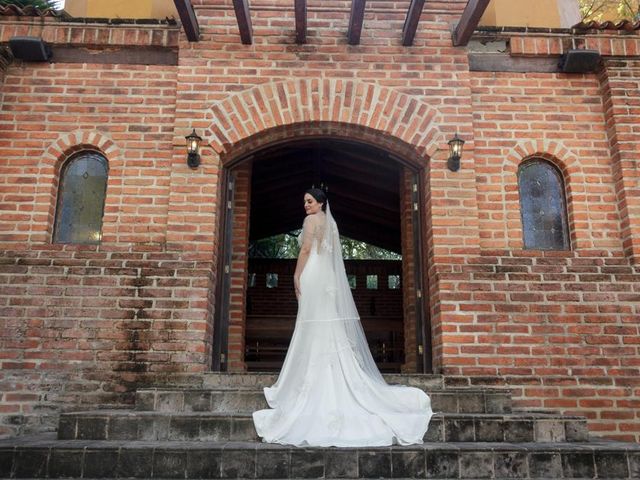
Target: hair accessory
column 323, row 187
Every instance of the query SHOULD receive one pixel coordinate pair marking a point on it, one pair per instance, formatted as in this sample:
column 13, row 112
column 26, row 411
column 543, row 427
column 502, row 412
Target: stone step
column 44, row 457
column 258, row 380
column 209, row 426
column 453, row 400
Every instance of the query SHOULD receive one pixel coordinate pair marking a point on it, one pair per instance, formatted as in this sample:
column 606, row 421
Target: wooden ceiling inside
column 363, row 188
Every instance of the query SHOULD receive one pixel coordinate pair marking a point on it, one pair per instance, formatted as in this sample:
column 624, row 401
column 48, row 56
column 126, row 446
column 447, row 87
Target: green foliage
column 40, row 4
column 356, row 250
column 278, row 246
column 286, row 246
column 614, row 10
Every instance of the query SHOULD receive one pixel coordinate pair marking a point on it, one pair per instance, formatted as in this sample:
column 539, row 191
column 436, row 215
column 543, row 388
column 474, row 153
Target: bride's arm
column 305, row 250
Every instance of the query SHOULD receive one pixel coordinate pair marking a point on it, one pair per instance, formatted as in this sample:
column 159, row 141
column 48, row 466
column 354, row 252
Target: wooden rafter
column 355, row 21
column 362, row 180
column 301, row 21
column 469, row 21
column 411, row 22
column 188, row 19
column 243, row 16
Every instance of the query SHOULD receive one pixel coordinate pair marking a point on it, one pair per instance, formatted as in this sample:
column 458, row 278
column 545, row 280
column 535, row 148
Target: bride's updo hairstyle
column 320, row 197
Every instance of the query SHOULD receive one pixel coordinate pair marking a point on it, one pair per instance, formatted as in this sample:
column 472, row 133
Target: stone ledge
column 210, row 426
column 42, row 457
column 450, row 400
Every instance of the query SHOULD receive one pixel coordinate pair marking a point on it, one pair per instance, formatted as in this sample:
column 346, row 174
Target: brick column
column 452, row 240
column 239, row 268
column 408, row 273
column 618, row 79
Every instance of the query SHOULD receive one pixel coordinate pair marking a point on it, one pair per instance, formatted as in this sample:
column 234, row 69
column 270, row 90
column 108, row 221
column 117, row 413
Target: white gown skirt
column 325, row 394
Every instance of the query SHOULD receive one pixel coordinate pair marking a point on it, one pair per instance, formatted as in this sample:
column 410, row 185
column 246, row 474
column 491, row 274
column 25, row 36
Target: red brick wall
column 89, row 324
column 558, row 117
column 85, row 325
column 561, row 329
column 52, row 111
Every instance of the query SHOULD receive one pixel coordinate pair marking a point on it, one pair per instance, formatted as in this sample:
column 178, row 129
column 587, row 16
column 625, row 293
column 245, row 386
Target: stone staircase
column 202, row 428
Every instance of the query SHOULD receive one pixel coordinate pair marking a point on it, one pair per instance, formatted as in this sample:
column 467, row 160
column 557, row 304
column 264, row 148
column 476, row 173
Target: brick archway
column 352, row 105
column 276, row 112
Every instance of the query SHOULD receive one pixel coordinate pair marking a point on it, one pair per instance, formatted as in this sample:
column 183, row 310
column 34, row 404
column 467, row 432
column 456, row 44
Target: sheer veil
column 344, row 303
column 329, row 391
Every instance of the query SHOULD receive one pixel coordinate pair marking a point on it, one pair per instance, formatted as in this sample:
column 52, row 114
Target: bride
column 330, row 392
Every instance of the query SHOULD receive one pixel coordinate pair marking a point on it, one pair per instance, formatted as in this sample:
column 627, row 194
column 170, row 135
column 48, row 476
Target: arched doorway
column 377, row 199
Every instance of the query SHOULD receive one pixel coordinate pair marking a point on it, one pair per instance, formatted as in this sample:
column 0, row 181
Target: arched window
column 83, row 184
column 543, row 206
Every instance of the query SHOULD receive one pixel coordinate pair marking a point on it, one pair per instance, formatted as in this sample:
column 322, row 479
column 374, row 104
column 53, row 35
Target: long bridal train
column 330, row 392
column 324, row 397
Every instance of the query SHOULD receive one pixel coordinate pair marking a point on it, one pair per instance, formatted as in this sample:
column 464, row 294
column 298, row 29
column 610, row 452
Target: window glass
column 80, row 207
column 543, row 208
column 393, row 282
column 372, row 282
column 352, row 281
column 272, row 280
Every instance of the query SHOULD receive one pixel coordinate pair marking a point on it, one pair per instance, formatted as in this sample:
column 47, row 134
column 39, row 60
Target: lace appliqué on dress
column 317, row 234
column 329, row 238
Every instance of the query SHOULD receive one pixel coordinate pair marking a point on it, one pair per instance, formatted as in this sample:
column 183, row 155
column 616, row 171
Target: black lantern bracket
column 193, row 149
column 456, row 145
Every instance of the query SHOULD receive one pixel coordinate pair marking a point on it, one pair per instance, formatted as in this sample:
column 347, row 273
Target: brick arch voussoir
column 551, row 151
column 71, row 143
column 343, row 101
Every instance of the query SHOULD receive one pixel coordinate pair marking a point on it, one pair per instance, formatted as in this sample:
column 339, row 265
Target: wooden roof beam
column 469, row 21
column 411, row 22
column 188, row 19
column 243, row 16
column 355, row 21
column 301, row 21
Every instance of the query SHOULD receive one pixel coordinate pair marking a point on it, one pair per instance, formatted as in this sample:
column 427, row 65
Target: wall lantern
column 193, row 149
column 455, row 152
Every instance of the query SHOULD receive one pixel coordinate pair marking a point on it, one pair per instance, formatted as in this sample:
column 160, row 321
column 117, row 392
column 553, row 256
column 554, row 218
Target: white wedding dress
column 329, row 391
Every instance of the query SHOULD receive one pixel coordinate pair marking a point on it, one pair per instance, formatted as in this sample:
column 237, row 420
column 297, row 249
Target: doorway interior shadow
column 375, row 197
